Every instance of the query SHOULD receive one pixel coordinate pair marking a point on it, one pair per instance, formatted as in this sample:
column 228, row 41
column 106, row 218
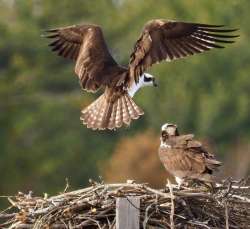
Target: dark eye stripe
column 164, row 133
column 147, row 79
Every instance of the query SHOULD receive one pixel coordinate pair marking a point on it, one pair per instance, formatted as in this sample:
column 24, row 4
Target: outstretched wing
column 67, row 41
column 170, row 40
column 86, row 45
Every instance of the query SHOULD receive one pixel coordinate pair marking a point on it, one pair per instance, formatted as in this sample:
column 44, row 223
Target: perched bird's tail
column 105, row 113
column 212, row 165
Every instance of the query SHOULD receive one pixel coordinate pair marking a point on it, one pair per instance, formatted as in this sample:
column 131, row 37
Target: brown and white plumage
column 85, row 44
column 111, row 110
column 185, row 157
column 96, row 68
column 169, row 40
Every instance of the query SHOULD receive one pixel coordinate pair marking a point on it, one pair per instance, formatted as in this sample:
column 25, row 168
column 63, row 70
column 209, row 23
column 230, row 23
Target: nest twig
column 228, row 206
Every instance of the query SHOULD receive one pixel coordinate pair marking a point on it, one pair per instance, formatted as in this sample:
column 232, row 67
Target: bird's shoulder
column 186, row 144
column 181, row 141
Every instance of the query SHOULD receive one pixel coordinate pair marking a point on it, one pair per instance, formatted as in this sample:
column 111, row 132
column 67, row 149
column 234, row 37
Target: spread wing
column 170, row 40
column 86, row 45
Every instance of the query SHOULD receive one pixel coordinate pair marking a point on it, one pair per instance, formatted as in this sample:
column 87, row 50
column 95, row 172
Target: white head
column 168, row 130
column 144, row 80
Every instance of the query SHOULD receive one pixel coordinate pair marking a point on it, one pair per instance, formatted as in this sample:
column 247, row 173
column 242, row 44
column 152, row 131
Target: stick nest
column 227, row 206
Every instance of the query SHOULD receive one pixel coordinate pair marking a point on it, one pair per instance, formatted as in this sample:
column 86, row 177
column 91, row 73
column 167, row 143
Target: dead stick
column 172, row 205
column 226, row 214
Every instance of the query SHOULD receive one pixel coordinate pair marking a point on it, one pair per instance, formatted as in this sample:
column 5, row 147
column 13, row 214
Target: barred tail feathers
column 104, row 114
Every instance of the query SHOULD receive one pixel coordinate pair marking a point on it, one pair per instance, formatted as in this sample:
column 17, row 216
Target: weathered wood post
column 128, row 213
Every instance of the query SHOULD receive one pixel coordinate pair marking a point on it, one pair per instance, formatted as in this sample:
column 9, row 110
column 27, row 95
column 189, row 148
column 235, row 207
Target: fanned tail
column 104, row 113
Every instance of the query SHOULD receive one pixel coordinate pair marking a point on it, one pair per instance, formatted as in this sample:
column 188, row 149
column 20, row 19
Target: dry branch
column 228, row 206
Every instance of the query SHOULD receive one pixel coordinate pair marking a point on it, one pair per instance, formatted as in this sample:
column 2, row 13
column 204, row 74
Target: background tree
column 41, row 139
column 141, row 162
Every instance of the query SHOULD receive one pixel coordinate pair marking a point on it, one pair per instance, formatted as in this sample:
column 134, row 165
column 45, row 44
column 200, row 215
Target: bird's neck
column 165, row 143
column 134, row 87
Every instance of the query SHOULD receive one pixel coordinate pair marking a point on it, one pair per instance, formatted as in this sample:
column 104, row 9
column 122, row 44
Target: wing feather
column 179, row 39
column 62, row 37
column 187, row 158
column 85, row 44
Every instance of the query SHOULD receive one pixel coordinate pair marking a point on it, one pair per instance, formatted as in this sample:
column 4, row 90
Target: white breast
column 165, row 145
column 135, row 87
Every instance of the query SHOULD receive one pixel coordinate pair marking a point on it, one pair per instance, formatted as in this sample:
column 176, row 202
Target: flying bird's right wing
column 169, row 40
column 85, row 44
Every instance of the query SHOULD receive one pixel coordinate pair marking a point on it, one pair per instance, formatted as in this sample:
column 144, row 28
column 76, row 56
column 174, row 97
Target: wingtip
column 208, row 25
column 233, row 36
column 233, row 30
column 51, row 30
column 49, row 33
column 217, row 26
column 230, row 29
column 236, row 29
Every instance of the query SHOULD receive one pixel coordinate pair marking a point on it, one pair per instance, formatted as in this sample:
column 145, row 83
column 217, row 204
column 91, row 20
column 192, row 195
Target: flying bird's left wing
column 86, row 45
column 170, row 40
column 67, row 41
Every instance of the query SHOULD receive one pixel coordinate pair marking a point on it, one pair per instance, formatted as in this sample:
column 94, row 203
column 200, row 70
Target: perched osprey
column 96, row 68
column 184, row 157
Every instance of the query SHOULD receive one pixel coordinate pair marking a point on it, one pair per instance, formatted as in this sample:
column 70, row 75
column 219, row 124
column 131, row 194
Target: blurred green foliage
column 41, row 138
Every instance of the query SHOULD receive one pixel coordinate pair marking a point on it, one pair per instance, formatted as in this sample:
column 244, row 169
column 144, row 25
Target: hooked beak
column 155, row 84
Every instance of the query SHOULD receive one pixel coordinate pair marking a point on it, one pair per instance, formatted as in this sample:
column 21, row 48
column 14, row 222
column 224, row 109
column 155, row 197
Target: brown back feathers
column 185, row 157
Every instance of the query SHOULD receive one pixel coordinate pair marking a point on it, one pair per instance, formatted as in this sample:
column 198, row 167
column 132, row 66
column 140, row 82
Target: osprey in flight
column 96, row 68
column 184, row 157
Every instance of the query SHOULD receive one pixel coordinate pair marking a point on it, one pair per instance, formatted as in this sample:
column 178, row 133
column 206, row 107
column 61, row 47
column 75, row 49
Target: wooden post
column 128, row 213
